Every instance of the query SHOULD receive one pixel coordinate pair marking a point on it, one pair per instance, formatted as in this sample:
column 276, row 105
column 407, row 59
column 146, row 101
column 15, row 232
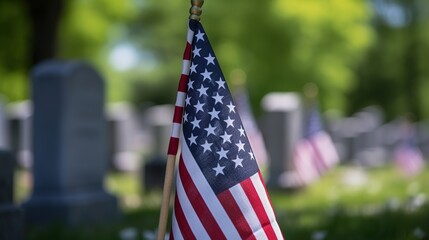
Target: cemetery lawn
column 346, row 204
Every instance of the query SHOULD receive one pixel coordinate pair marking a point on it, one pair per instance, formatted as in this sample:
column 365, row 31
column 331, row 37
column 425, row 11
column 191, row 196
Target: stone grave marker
column 4, row 129
column 159, row 119
column 20, row 117
column 11, row 217
column 281, row 128
column 69, row 147
column 125, row 136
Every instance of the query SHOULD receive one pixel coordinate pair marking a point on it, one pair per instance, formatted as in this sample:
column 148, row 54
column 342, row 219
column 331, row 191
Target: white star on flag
column 218, row 169
column 200, row 36
column 196, row 51
column 207, row 146
column 238, row 162
column 210, row 59
column 222, row 153
column 226, row 137
column 206, row 75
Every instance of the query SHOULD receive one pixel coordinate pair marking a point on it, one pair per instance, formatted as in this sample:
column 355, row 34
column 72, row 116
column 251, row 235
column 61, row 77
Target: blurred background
column 359, row 52
column 367, row 61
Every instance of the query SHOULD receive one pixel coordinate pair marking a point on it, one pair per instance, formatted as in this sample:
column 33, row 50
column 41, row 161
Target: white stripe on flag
column 186, row 66
column 190, row 35
column 180, row 99
column 175, row 130
column 190, row 214
column 248, row 211
column 304, row 163
column 326, row 149
column 175, row 228
column 206, row 191
column 260, row 189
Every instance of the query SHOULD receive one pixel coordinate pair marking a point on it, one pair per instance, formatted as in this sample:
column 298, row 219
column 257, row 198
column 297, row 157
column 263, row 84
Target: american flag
column 251, row 127
column 407, row 155
column 315, row 153
column 220, row 193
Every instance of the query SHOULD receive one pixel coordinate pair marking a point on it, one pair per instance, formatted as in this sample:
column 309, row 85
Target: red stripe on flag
column 187, row 53
column 171, row 235
column 257, row 205
column 181, row 220
column 178, row 113
column 233, row 210
column 321, row 165
column 198, row 204
column 265, row 188
column 183, row 83
column 173, row 146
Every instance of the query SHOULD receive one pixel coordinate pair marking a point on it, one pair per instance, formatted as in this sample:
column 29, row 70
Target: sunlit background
column 358, row 53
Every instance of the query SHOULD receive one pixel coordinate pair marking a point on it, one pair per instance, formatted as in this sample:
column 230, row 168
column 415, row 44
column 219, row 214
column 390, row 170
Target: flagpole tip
column 196, row 9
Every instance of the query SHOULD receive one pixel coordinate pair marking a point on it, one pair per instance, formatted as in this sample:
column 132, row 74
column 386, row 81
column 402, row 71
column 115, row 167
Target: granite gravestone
column 20, row 117
column 4, row 133
column 160, row 121
column 422, row 135
column 349, row 131
column 70, row 148
column 125, row 137
column 391, row 133
column 11, row 218
column 334, row 121
column 370, row 152
column 281, row 128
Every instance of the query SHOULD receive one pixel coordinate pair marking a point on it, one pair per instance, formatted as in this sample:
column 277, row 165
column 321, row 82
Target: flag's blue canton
column 211, row 125
column 314, row 122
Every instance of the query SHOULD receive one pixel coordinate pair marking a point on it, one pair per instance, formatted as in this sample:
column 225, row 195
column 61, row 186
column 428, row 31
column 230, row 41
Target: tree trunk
column 44, row 19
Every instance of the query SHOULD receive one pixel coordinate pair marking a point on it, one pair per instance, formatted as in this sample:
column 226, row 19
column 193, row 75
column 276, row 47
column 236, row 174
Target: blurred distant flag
column 249, row 123
column 407, row 155
column 315, row 153
column 305, row 170
column 220, row 193
column 325, row 155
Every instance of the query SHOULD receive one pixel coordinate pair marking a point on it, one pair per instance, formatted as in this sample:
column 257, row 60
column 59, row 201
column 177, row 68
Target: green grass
column 379, row 206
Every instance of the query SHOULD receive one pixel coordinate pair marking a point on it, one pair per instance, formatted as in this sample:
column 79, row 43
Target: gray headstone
column 20, row 117
column 349, row 132
column 391, row 135
column 70, row 147
column 422, row 132
column 11, row 218
column 370, row 151
column 4, row 132
column 334, row 121
column 125, row 136
column 159, row 119
column 281, row 128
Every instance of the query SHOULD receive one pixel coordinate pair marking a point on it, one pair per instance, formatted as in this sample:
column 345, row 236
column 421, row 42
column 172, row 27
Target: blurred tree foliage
column 14, row 49
column 395, row 73
column 359, row 52
column 281, row 45
column 85, row 30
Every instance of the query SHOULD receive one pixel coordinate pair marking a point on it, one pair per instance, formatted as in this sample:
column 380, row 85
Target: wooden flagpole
column 195, row 14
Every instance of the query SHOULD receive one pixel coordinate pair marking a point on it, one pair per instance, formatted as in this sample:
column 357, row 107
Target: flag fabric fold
column 315, row 154
column 249, row 123
column 220, row 193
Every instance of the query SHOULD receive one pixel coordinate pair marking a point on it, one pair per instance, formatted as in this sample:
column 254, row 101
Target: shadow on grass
column 140, row 220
